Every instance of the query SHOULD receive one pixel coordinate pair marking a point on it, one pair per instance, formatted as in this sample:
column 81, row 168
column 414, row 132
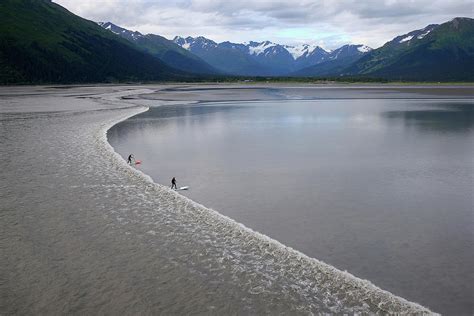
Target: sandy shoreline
column 216, row 93
column 84, row 233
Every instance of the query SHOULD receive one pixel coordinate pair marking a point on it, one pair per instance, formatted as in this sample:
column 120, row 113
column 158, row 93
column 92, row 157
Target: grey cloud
column 372, row 21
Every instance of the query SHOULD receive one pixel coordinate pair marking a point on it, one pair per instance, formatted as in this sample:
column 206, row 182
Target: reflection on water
column 165, row 112
column 455, row 118
column 381, row 188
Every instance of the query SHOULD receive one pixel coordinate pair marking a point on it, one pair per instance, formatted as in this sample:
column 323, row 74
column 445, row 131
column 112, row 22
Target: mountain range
column 202, row 55
column 164, row 49
column 436, row 52
column 264, row 58
column 42, row 42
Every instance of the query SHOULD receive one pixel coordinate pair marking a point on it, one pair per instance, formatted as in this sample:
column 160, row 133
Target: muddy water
column 82, row 232
column 379, row 187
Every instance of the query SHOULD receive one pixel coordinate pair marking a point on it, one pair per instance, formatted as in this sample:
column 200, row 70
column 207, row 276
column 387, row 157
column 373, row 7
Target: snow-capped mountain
column 442, row 52
column 334, row 61
column 193, row 44
column 130, row 35
column 303, row 50
column 272, row 58
column 348, row 51
column 416, row 35
column 265, row 48
column 250, row 58
column 271, row 55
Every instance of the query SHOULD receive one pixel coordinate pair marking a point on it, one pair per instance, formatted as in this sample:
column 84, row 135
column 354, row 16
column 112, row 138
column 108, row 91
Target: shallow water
column 381, row 188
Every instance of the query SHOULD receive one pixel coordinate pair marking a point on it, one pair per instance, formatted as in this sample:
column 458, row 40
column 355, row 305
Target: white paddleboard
column 183, row 188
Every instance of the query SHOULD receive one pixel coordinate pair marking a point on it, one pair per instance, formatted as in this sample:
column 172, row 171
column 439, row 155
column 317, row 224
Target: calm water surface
column 382, row 188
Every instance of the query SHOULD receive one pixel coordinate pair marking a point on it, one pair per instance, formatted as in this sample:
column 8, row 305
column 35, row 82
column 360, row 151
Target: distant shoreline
column 254, row 81
column 263, row 92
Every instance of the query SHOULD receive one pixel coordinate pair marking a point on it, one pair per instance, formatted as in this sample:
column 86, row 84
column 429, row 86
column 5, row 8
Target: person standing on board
column 173, row 184
column 129, row 160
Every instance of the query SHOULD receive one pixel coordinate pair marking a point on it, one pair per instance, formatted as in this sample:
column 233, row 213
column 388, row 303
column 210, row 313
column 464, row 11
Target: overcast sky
column 328, row 23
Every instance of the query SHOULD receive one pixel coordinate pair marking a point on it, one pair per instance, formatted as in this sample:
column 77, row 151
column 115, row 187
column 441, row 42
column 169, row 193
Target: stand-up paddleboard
column 138, row 162
column 183, row 188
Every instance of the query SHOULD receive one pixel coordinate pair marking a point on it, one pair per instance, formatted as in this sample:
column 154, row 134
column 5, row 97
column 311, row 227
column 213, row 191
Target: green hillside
column 41, row 42
column 445, row 54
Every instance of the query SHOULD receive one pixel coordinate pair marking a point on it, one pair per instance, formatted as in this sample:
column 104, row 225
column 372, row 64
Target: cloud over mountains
column 326, row 23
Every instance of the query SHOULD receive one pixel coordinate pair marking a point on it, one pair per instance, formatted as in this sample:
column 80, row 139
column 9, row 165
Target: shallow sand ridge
column 82, row 232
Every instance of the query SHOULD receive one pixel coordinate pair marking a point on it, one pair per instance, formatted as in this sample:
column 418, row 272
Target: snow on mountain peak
column 414, row 35
column 423, row 35
column 406, row 39
column 189, row 41
column 186, row 45
column 260, row 47
column 300, row 50
column 301, row 54
column 364, row 49
column 120, row 30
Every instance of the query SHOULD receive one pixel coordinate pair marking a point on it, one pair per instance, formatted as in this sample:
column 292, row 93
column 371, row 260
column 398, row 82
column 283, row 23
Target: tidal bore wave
column 259, row 272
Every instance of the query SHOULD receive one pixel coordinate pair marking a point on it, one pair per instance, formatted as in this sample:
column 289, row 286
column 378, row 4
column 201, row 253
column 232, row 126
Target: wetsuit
column 173, row 183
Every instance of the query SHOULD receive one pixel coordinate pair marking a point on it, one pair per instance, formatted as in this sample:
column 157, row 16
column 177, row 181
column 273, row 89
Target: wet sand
column 238, row 92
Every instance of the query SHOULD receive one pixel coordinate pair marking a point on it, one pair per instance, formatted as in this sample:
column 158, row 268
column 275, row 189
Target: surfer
column 173, row 184
column 129, row 160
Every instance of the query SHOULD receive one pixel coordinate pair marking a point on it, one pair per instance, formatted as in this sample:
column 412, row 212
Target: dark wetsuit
column 173, row 183
column 129, row 160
